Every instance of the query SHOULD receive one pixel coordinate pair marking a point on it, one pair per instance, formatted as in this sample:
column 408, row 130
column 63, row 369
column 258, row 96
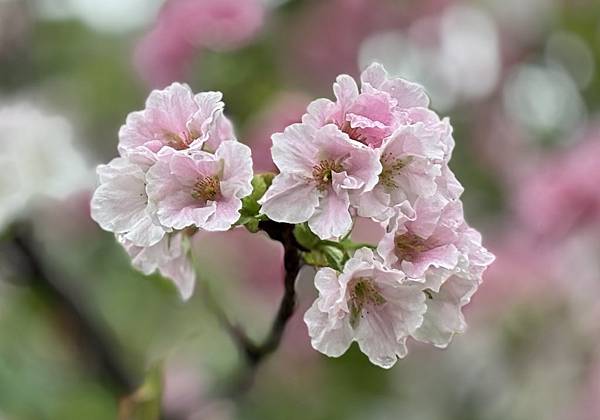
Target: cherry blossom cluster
column 375, row 152
column 180, row 169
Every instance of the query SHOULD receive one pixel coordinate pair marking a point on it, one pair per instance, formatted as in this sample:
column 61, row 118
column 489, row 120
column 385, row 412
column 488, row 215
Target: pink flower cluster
column 181, row 169
column 377, row 152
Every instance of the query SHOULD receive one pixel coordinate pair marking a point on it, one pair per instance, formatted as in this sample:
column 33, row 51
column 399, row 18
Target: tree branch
column 254, row 354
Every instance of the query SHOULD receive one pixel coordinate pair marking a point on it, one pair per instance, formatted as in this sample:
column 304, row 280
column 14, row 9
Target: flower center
column 392, row 166
column 179, row 141
column 355, row 133
column 409, row 246
column 207, row 188
column 363, row 294
column 322, row 173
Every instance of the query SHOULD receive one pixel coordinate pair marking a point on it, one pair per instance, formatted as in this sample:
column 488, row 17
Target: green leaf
column 348, row 245
column 335, row 256
column 305, row 237
column 260, row 183
column 249, row 216
column 315, row 258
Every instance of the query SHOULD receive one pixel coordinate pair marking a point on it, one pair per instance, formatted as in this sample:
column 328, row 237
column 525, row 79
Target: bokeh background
column 520, row 81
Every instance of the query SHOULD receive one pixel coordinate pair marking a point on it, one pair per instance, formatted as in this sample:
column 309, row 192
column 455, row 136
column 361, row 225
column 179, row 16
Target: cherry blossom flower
column 168, row 256
column 176, row 118
column 433, row 242
column 412, row 161
column 120, row 204
column 368, row 303
column 371, row 114
column 318, row 168
column 201, row 189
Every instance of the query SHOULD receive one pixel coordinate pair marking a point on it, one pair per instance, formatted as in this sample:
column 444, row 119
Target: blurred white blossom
column 456, row 56
column 38, row 158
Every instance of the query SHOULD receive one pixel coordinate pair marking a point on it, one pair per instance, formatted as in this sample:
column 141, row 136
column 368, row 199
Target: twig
column 254, row 354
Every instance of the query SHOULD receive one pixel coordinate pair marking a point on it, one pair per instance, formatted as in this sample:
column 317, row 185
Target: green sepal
column 305, row 237
column 335, row 256
column 249, row 213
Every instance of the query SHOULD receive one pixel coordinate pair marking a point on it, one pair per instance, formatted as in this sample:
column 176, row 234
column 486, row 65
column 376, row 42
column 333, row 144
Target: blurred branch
column 254, row 354
column 93, row 337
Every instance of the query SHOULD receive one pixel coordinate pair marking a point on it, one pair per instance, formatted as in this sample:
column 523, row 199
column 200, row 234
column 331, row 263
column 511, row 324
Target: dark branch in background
column 94, row 338
column 254, row 354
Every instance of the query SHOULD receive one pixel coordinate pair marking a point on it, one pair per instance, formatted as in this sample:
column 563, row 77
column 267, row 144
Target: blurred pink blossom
column 184, row 27
column 328, row 36
column 563, row 193
column 522, row 271
column 286, row 109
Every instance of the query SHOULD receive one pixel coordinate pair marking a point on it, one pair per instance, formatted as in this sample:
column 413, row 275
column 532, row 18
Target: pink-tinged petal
column 319, row 113
column 169, row 256
column 236, row 178
column 118, row 168
column 208, row 104
column 346, row 92
column 375, row 75
column 227, row 212
column 332, row 143
column 187, row 170
column 120, row 202
column 176, row 207
column 364, row 164
column 382, row 334
column 358, row 160
column 444, row 317
column 145, row 233
column 447, row 184
column 331, row 218
column 445, row 256
column 326, row 282
column 330, row 337
column 429, row 212
column 169, row 110
column 180, row 210
column 374, row 204
column 376, row 339
column 135, row 132
column 406, row 93
column 290, row 199
column 219, row 131
column 144, row 156
column 294, row 151
column 372, row 110
column 342, row 181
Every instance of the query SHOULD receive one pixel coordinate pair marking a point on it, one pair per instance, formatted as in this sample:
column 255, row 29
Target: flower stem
column 255, row 353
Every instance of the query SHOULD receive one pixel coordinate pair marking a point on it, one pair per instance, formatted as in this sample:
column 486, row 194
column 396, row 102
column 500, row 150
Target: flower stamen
column 353, row 132
column 409, row 246
column 207, row 188
column 392, row 166
column 363, row 293
column 322, row 173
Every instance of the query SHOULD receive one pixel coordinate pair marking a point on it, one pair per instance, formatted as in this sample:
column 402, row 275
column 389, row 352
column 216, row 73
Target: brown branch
column 255, row 354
